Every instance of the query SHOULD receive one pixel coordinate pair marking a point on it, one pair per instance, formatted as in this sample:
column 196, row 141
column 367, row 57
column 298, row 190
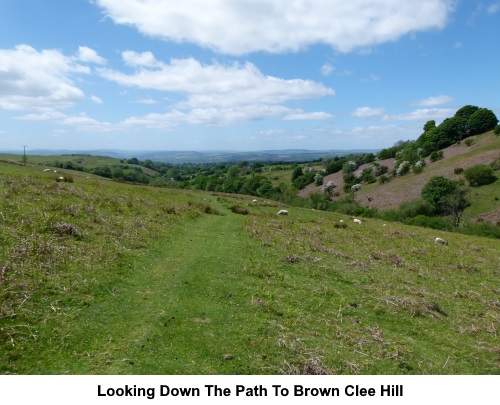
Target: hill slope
column 485, row 149
column 98, row 277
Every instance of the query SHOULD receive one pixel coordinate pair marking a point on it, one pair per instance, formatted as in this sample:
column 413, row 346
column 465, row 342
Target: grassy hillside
column 109, row 278
column 484, row 149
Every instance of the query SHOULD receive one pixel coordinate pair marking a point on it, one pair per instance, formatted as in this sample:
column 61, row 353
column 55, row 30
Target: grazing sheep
column 341, row 220
column 441, row 241
column 282, row 212
column 358, row 221
column 254, row 201
column 47, row 170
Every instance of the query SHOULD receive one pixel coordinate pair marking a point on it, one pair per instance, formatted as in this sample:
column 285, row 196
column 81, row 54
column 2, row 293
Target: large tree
column 481, row 121
column 449, row 197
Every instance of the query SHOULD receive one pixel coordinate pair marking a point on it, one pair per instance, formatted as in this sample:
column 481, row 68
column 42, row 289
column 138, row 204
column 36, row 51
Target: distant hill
column 287, row 155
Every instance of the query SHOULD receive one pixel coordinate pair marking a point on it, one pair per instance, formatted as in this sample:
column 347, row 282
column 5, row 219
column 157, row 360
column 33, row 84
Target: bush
column 497, row 130
column 469, row 141
column 239, row 210
column 436, row 155
column 411, row 209
column 383, row 179
column 418, row 169
column 430, row 222
column 458, row 170
column 479, row 175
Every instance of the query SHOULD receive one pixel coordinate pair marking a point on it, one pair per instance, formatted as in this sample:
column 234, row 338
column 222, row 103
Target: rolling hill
column 100, row 277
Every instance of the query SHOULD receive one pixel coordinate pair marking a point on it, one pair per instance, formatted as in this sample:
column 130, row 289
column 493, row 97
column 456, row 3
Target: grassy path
column 178, row 309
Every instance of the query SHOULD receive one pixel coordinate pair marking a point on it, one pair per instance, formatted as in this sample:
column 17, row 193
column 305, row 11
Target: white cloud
column 305, row 116
column 80, row 122
column 423, row 114
column 33, row 80
column 327, row 69
column 371, row 78
column 216, row 94
column 368, row 112
column 218, row 85
column 96, row 100
column 146, row 59
column 240, row 27
column 433, row 101
column 86, row 54
column 494, row 7
column 147, row 101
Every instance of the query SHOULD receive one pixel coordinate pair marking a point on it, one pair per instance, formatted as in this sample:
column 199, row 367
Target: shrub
column 328, row 188
column 383, row 179
column 237, row 209
column 318, row 179
column 469, row 141
column 458, row 170
column 497, row 130
column 479, row 175
column 418, row 169
column 403, row 168
column 436, row 155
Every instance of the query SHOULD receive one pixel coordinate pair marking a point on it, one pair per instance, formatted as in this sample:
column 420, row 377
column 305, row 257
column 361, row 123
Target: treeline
column 468, row 121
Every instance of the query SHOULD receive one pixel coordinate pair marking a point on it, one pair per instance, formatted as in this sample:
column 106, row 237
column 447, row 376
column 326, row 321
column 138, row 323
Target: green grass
column 106, row 278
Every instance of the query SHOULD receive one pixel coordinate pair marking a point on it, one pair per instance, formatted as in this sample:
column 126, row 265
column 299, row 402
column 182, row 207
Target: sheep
column 358, row 221
column 254, row 201
column 47, row 170
column 282, row 212
column 341, row 220
column 441, row 241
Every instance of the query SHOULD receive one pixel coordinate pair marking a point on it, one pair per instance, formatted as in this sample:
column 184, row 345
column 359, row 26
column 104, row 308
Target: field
column 100, row 277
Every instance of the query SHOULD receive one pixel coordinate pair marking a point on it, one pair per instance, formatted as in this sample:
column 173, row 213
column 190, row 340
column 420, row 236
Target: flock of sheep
column 358, row 221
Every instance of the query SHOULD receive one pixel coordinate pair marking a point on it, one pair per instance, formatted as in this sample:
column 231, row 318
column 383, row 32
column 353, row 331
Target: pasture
column 99, row 277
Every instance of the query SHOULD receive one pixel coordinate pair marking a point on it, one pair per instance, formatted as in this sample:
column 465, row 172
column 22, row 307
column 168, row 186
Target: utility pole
column 24, row 155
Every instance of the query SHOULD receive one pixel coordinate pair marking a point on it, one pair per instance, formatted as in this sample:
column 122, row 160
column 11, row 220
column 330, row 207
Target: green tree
column 429, row 125
column 481, row 121
column 479, row 175
column 297, row 172
column 437, row 188
column 466, row 111
column 454, row 204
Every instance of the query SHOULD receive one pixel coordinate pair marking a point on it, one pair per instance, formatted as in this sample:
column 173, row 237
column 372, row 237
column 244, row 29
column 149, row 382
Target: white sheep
column 282, row 212
column 341, row 220
column 441, row 241
column 47, row 170
column 356, row 220
column 254, row 201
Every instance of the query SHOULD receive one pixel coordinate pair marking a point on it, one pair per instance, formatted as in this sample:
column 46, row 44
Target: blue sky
column 240, row 75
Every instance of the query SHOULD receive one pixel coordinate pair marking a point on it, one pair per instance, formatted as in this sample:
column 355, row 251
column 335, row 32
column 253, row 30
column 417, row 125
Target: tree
column 479, row 175
column 481, row 121
column 449, row 197
column 429, row 125
column 454, row 204
column 297, row 172
column 437, row 188
column 466, row 111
